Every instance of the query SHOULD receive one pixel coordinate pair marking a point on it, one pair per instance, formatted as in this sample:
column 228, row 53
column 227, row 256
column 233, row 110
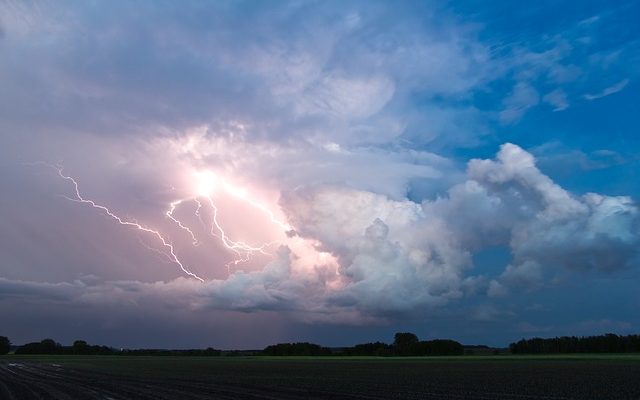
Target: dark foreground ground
column 501, row 377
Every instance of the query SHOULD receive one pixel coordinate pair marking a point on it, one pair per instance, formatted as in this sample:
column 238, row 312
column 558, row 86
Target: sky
column 240, row 173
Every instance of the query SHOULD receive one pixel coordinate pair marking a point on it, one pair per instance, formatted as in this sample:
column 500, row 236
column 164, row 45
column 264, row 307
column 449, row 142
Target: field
column 493, row 377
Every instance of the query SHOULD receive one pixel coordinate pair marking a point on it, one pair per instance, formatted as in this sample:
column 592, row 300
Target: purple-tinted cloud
column 323, row 126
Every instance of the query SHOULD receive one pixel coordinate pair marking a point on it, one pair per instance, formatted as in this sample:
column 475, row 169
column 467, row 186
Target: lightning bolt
column 198, row 213
column 241, row 195
column 169, row 214
column 228, row 243
column 244, row 251
column 171, row 251
column 162, row 256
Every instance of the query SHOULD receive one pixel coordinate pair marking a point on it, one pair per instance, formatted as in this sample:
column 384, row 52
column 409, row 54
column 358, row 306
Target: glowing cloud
column 165, row 242
column 206, row 184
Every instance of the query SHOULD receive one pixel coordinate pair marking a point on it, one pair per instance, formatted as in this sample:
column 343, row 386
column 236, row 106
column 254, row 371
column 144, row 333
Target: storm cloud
column 364, row 145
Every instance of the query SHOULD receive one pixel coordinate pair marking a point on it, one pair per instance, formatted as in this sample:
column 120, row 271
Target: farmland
column 503, row 377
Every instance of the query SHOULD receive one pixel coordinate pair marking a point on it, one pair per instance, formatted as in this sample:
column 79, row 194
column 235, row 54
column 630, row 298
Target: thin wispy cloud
column 608, row 91
column 557, row 99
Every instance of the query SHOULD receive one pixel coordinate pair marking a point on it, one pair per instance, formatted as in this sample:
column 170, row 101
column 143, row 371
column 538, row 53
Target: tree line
column 296, row 349
column 404, row 344
column 608, row 343
column 81, row 347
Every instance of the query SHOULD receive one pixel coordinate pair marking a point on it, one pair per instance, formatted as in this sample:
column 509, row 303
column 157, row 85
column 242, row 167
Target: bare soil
column 319, row 379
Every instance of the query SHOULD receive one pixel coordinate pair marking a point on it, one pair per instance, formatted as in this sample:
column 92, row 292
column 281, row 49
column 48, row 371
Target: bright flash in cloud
column 206, row 183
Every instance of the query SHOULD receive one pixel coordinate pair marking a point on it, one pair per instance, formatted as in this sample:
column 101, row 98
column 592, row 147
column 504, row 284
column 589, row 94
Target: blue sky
column 318, row 171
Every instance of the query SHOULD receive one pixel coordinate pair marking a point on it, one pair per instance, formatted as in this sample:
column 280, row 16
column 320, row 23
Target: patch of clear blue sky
column 606, row 124
column 522, row 20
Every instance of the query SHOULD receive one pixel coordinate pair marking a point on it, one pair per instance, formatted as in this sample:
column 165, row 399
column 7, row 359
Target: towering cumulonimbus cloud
column 397, row 255
column 346, row 254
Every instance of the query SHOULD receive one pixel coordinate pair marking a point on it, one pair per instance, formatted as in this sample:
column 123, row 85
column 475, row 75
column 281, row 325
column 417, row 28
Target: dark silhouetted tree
column 369, row 349
column 440, row 347
column 210, row 351
column 47, row 346
column 405, row 343
column 608, row 343
column 79, row 347
column 5, row 345
column 296, row 349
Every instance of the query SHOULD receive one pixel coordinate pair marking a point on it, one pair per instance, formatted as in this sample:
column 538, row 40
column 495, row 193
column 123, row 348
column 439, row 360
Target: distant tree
column 369, row 349
column 80, row 347
column 296, row 349
column 5, row 345
column 406, row 343
column 386, row 351
column 440, row 347
column 210, row 351
column 29, row 348
column 49, row 346
column 609, row 343
column 46, row 346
